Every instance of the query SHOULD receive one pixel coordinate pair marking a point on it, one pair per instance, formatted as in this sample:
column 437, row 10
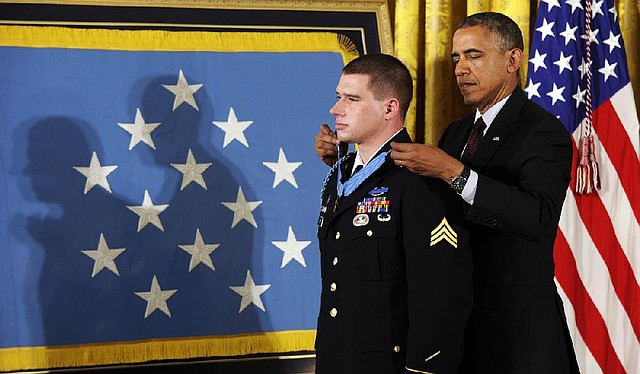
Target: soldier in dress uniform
column 396, row 265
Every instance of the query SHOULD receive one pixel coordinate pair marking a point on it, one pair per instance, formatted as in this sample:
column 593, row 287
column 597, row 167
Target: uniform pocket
column 381, row 335
column 374, row 250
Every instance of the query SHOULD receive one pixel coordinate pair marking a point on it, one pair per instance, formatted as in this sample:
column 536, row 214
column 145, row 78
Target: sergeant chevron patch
column 444, row 232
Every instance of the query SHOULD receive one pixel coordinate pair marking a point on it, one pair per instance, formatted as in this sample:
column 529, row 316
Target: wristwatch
column 459, row 181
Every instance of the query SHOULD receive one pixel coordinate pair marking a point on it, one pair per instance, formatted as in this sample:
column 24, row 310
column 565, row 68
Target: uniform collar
column 358, row 159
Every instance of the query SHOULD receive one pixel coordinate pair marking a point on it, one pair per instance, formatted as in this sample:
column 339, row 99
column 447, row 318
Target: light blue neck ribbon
column 346, row 188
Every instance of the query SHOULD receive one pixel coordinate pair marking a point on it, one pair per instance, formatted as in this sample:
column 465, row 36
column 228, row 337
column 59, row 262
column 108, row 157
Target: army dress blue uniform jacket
column 396, row 274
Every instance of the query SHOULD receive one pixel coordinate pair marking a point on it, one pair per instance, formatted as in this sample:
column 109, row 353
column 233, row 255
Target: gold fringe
column 31, row 358
column 161, row 40
column 348, row 48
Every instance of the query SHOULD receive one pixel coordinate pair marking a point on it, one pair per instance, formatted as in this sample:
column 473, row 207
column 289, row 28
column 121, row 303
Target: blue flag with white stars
column 160, row 196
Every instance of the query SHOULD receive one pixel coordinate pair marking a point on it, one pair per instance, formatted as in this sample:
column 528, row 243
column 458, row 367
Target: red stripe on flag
column 589, row 321
column 621, row 152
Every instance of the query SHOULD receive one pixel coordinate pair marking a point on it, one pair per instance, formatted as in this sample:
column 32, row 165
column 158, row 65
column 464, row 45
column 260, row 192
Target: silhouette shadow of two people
column 83, row 300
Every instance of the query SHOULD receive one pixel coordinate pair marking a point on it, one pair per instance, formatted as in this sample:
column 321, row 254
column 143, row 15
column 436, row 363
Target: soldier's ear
column 392, row 107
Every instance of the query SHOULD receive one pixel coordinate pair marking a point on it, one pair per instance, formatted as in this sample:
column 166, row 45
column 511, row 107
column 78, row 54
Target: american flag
column 159, row 196
column 597, row 251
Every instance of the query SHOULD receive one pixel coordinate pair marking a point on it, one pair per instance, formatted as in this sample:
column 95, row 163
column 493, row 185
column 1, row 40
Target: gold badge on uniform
column 444, row 232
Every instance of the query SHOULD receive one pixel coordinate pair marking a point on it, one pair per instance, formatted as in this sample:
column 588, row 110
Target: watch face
column 458, row 183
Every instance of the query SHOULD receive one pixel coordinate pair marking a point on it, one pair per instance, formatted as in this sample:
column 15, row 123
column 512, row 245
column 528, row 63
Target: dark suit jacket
column 523, row 162
column 395, row 292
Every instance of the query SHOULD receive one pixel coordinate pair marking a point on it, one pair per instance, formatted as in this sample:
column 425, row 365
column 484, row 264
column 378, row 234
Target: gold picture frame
column 365, row 22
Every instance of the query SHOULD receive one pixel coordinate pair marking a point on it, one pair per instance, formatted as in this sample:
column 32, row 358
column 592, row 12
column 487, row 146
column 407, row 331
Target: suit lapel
column 500, row 130
column 455, row 138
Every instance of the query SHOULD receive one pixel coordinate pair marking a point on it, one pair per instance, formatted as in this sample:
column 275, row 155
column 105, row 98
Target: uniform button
column 335, row 261
column 333, row 287
column 396, row 349
column 333, row 312
column 338, row 235
column 369, row 233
